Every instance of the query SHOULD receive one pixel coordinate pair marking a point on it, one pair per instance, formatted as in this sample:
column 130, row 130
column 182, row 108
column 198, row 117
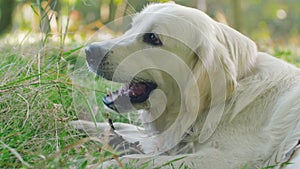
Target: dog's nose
column 87, row 50
column 90, row 57
column 94, row 54
column 90, row 53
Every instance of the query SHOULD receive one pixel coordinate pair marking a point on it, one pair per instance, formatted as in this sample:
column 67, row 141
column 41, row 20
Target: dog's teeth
column 108, row 91
column 115, row 96
column 120, row 91
column 131, row 93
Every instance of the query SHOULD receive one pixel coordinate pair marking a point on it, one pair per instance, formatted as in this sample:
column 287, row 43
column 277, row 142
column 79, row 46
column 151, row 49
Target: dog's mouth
column 130, row 93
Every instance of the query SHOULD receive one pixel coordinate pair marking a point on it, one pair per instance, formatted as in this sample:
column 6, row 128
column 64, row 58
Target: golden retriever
column 206, row 97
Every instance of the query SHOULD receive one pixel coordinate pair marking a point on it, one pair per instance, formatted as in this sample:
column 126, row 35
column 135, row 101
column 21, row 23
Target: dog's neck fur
column 159, row 120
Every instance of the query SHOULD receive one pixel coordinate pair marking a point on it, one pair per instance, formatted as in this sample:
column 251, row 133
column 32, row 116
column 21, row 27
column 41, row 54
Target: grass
column 36, row 104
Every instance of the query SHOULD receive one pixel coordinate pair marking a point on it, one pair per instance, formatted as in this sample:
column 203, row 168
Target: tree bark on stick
column 6, row 10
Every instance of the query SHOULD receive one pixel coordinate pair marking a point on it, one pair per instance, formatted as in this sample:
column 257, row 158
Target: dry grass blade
column 87, row 139
column 27, row 112
column 16, row 154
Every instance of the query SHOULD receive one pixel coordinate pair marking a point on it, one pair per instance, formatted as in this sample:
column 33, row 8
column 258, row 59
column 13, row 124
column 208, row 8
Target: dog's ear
column 225, row 56
column 242, row 50
column 229, row 52
column 217, row 80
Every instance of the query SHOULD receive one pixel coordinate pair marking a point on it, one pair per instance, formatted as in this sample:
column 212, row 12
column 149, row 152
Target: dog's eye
column 152, row 38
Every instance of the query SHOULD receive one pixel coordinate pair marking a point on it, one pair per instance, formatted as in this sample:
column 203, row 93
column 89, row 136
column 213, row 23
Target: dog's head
column 166, row 46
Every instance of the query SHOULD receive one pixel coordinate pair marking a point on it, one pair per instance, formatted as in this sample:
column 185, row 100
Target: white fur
column 247, row 102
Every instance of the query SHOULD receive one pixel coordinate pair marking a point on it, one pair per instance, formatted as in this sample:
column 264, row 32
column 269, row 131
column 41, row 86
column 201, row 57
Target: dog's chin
column 128, row 96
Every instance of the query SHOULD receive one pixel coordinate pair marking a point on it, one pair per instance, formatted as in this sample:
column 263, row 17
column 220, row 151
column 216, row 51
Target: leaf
column 83, row 165
column 68, row 53
column 170, row 162
column 33, row 9
column 271, row 166
column 244, row 167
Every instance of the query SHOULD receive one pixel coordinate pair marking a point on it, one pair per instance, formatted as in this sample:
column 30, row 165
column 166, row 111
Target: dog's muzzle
column 136, row 91
column 95, row 56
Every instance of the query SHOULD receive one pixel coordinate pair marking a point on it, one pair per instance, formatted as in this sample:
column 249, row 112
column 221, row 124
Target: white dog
column 207, row 98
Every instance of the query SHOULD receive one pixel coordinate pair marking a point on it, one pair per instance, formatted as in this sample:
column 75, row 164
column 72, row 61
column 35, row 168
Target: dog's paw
column 90, row 128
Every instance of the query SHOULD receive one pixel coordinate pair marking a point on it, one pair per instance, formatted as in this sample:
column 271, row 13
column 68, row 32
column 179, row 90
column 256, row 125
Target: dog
column 206, row 97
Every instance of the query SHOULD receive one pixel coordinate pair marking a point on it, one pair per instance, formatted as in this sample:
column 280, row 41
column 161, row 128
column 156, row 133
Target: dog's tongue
column 136, row 89
column 110, row 98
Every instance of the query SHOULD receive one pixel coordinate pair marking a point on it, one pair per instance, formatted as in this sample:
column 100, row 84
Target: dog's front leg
column 122, row 137
column 90, row 128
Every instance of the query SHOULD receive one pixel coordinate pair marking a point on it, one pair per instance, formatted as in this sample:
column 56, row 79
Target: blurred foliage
column 6, row 9
column 263, row 20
